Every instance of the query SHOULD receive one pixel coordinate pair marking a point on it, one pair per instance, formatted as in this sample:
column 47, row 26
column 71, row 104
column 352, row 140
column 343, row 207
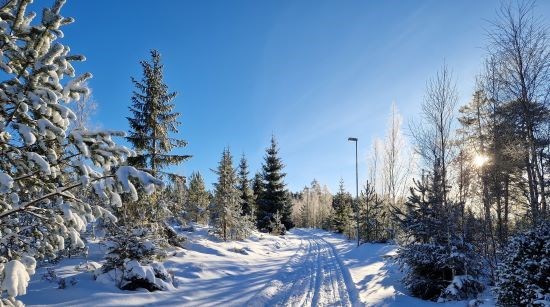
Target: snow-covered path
column 314, row 276
column 306, row 267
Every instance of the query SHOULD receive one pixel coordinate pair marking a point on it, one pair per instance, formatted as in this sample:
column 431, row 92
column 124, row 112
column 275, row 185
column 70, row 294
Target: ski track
column 315, row 276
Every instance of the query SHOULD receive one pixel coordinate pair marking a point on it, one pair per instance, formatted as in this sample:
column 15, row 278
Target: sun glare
column 480, row 160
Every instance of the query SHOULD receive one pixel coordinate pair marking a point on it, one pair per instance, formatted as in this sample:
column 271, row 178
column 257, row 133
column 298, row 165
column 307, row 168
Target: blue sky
column 310, row 72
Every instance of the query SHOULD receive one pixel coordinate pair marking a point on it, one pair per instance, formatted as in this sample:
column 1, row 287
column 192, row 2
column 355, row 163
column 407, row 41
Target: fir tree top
column 273, row 168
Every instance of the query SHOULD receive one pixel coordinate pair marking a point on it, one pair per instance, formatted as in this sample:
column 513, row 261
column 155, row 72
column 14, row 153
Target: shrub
column 523, row 276
column 439, row 273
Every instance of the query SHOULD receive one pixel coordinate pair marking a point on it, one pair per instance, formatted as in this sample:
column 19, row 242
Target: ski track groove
column 315, row 276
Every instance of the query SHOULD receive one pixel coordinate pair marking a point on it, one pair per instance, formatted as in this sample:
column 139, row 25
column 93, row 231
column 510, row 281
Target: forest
column 462, row 191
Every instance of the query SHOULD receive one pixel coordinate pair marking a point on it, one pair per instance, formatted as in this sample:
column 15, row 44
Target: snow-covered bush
column 524, row 274
column 134, row 275
column 276, row 225
column 433, row 272
column 439, row 263
column 461, row 287
column 134, row 244
column 131, row 261
column 42, row 161
column 14, row 278
column 172, row 236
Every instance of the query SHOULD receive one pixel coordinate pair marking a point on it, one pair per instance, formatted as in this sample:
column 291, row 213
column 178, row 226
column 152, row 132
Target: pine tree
column 247, row 198
column 42, row 162
column 274, row 197
column 154, row 119
column 198, row 199
column 226, row 213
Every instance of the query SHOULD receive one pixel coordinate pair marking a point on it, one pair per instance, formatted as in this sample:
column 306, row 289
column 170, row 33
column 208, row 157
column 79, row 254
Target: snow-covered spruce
column 42, row 161
column 524, row 274
column 228, row 223
column 132, row 261
column 440, row 265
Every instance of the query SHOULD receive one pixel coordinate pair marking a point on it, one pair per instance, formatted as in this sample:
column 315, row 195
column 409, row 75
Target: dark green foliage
column 440, row 264
column 247, row 198
column 153, row 120
column 130, row 244
column 274, row 197
column 524, row 274
column 372, row 216
column 343, row 213
column 257, row 187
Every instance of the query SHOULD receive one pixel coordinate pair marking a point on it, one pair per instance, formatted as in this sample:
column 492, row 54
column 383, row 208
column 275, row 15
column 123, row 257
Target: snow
column 16, row 278
column 124, row 173
column 26, row 134
column 303, row 268
column 41, row 162
column 6, row 182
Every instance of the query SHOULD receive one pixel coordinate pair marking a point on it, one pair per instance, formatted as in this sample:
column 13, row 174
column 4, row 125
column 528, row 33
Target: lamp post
column 356, row 189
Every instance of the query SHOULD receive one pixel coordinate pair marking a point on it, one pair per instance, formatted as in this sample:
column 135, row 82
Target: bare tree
column 433, row 133
column 312, row 206
column 375, row 161
column 397, row 160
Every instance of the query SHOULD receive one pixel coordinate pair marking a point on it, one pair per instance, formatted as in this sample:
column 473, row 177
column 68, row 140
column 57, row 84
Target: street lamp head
column 352, row 139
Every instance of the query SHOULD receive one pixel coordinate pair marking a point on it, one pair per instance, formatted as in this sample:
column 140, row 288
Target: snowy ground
column 302, row 268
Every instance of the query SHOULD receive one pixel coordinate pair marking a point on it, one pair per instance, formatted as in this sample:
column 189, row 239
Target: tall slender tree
column 274, row 197
column 247, row 198
column 226, row 208
column 154, row 119
column 198, row 199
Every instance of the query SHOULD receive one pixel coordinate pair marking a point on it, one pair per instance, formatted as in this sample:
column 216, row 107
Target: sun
column 480, row 160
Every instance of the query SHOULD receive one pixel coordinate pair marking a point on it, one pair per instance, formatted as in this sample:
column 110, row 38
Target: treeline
column 391, row 166
column 238, row 203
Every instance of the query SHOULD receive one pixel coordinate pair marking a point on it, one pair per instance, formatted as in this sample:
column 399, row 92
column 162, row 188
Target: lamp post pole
column 356, row 188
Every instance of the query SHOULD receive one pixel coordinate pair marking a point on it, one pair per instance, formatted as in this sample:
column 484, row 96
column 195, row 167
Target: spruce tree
column 247, row 198
column 257, row 188
column 341, row 203
column 274, row 197
column 175, row 196
column 523, row 274
column 154, row 119
column 371, row 215
column 226, row 211
column 440, row 264
column 198, row 199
